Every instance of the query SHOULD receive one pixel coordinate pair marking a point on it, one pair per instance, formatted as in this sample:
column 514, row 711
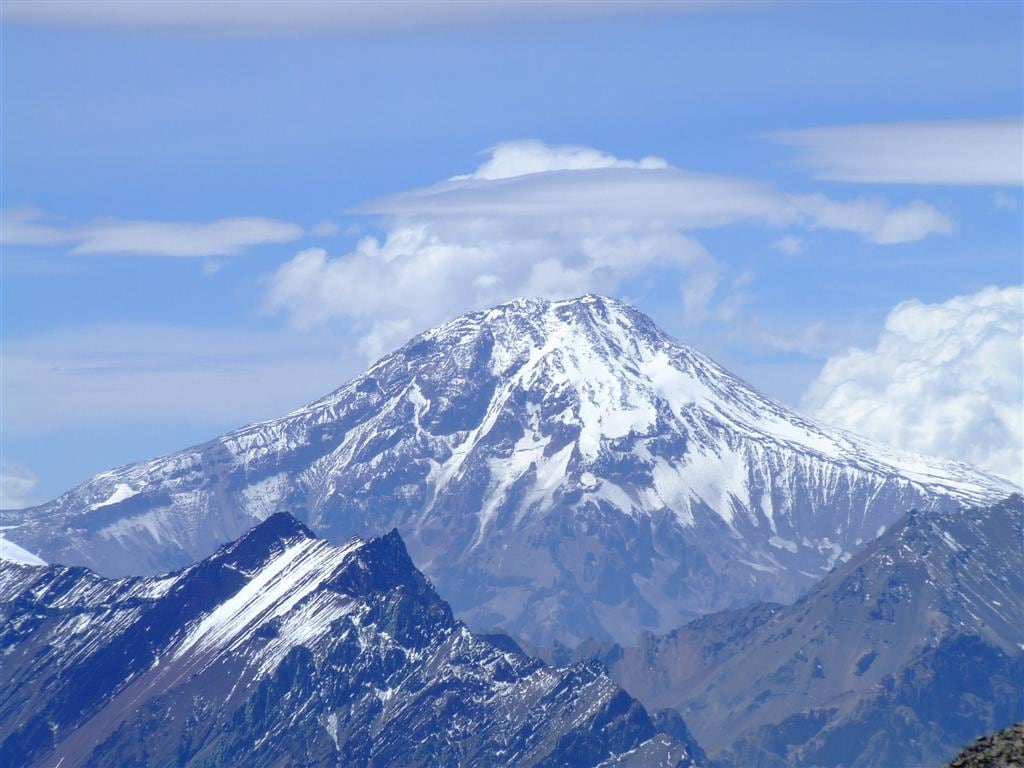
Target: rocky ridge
column 282, row 649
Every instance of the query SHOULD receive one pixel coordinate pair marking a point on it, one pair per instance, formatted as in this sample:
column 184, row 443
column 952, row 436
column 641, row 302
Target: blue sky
column 113, row 355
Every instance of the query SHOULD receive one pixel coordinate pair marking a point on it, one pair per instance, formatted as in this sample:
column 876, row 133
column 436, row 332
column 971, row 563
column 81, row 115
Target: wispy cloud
column 955, row 152
column 313, row 16
column 1004, row 201
column 789, row 245
column 649, row 190
column 183, row 239
column 543, row 220
column 162, row 374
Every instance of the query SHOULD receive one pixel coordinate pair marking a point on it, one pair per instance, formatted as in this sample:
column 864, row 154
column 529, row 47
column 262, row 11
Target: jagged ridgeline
column 901, row 656
column 562, row 470
column 282, row 649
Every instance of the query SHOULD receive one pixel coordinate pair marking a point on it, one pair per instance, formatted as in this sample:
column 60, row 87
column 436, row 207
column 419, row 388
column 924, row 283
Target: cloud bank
column 945, row 379
column 183, row 239
column 959, row 152
column 552, row 221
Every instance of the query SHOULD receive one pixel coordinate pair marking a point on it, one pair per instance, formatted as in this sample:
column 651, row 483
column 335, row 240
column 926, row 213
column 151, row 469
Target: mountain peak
column 281, row 526
column 531, row 320
column 559, row 468
column 264, row 540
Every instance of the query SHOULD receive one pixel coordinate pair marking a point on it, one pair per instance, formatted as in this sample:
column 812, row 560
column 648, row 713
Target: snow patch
column 780, row 543
column 13, row 553
column 274, row 591
column 122, row 492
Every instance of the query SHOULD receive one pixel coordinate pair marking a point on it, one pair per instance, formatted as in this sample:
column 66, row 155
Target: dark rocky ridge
column 281, row 650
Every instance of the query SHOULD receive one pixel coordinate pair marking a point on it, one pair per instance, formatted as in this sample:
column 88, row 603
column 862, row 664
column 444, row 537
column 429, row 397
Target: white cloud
column 287, row 16
column 520, row 158
column 131, row 374
column 647, row 192
column 875, row 221
column 959, row 152
column 553, row 221
column 222, row 237
column 325, row 229
column 17, row 487
column 944, row 379
column 420, row 275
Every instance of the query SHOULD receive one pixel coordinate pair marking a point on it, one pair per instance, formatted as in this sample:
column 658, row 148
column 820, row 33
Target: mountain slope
column 282, row 649
column 899, row 657
column 561, row 469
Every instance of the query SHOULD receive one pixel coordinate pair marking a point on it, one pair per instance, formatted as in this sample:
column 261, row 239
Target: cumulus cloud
column 286, row 16
column 17, row 487
column 543, row 220
column 960, row 152
column 520, row 158
column 222, row 237
column 420, row 275
column 944, row 379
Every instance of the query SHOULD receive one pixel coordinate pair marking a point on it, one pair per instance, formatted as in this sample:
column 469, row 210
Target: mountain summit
column 561, row 469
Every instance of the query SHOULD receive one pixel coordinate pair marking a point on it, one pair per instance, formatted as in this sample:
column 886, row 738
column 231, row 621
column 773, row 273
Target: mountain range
column 282, row 649
column 900, row 656
column 561, row 470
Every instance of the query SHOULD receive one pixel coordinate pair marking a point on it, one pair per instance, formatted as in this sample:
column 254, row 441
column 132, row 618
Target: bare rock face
column 282, row 649
column 562, row 470
column 898, row 657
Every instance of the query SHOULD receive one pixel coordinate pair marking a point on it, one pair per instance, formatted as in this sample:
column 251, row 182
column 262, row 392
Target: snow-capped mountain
column 559, row 469
column 901, row 656
column 282, row 649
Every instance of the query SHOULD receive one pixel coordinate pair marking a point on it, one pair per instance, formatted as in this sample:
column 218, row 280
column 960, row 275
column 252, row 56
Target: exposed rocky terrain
column 899, row 657
column 284, row 650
